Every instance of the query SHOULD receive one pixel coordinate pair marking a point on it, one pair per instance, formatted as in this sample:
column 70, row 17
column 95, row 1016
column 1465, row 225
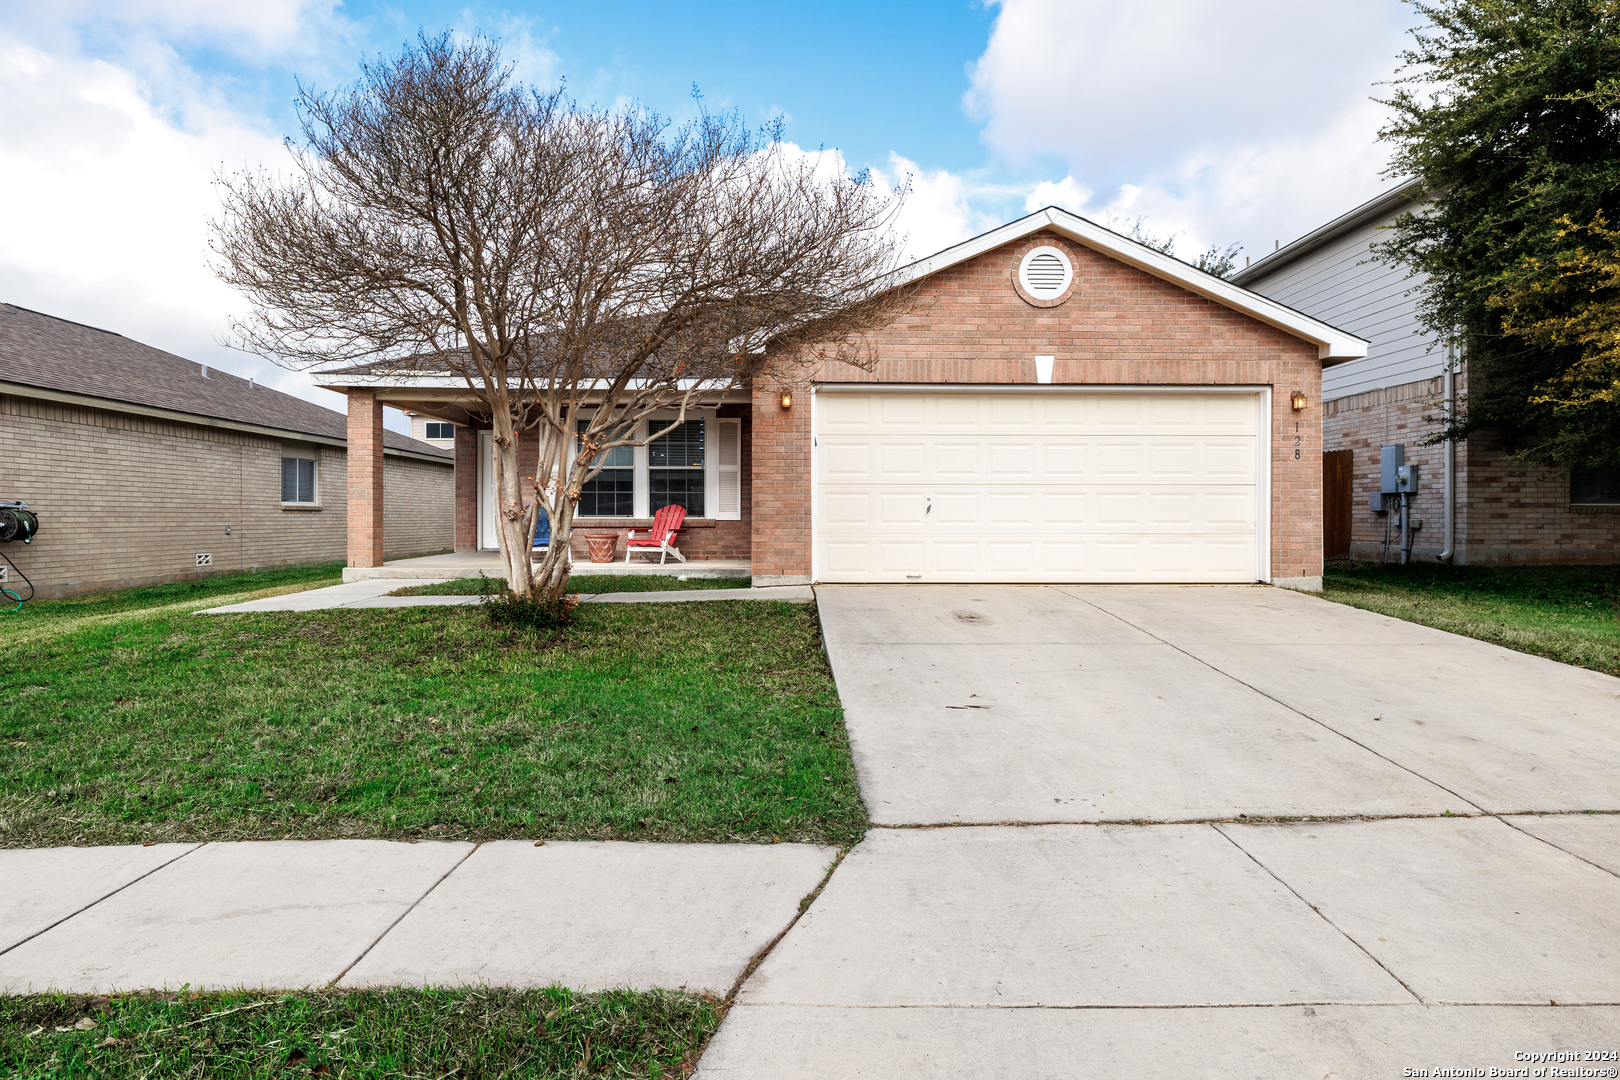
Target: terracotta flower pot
column 602, row 546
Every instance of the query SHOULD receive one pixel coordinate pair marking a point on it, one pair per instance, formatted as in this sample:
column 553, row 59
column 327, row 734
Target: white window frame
column 315, row 478
column 427, row 435
column 711, row 463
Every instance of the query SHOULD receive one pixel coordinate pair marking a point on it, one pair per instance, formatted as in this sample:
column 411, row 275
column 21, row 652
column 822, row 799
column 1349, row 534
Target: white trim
column 1264, row 450
column 486, row 483
column 815, row 485
column 1036, row 388
column 1333, row 344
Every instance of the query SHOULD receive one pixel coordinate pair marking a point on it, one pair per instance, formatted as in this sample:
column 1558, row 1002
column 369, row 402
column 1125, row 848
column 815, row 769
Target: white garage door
column 1133, row 485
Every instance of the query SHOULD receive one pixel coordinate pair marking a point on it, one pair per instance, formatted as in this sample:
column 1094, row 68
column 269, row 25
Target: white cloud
column 1068, row 194
column 248, row 28
column 1247, row 120
column 112, row 199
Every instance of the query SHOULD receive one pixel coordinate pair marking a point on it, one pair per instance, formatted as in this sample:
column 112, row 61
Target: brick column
column 365, row 478
column 466, row 452
column 780, row 510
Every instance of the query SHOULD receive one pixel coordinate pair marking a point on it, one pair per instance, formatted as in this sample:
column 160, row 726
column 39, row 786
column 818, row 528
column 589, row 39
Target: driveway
column 1199, row 832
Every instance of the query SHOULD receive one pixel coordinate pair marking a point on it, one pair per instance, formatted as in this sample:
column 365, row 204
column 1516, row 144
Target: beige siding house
column 1494, row 512
column 145, row 467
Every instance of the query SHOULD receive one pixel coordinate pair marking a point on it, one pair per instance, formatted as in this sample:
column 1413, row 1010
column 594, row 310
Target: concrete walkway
column 373, row 593
column 1072, row 875
column 367, row 912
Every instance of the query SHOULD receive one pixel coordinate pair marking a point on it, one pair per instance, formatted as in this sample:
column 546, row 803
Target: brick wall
column 1362, row 424
column 1503, row 515
column 129, row 500
column 1121, row 327
column 418, row 507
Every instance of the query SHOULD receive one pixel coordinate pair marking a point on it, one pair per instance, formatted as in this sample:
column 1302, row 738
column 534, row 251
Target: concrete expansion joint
column 1319, row 913
column 980, row 1006
column 99, row 899
column 413, row 906
column 759, row 957
column 1291, row 708
column 1240, row 819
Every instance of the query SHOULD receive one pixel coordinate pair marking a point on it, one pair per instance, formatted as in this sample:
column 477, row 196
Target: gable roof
column 43, row 352
column 1333, row 345
column 1402, row 197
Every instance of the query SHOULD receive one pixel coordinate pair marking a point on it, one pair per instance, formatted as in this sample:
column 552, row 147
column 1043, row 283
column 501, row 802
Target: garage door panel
column 1012, row 461
column 1035, row 487
column 842, row 508
column 900, row 556
column 956, row 507
column 957, row 460
column 901, row 460
column 841, row 459
column 906, row 508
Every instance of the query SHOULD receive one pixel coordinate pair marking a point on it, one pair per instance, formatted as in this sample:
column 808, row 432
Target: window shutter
column 728, row 468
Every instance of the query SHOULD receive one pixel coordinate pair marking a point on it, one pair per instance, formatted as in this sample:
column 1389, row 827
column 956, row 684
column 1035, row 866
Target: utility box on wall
column 1391, row 459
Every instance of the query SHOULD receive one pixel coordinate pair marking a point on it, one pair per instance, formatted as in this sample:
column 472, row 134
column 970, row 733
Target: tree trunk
column 514, row 531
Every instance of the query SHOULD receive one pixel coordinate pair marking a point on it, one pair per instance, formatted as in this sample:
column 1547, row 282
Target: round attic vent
column 1045, row 273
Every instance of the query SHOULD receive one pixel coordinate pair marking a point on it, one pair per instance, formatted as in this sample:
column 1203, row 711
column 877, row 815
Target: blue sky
column 1247, row 121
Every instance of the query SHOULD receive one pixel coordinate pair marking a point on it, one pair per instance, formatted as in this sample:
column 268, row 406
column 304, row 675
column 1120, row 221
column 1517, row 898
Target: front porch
column 460, row 564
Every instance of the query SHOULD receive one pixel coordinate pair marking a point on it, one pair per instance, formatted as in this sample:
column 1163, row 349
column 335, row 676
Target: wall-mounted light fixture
column 1299, row 401
column 787, row 399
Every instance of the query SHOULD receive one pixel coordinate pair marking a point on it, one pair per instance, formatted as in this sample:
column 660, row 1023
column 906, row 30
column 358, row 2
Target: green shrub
column 506, row 608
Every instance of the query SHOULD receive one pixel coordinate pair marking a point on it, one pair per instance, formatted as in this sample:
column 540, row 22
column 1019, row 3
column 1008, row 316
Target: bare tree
column 579, row 268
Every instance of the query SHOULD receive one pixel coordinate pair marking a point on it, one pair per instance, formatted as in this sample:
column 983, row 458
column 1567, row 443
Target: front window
column 611, row 492
column 297, row 480
column 1595, row 486
column 675, row 469
column 437, row 430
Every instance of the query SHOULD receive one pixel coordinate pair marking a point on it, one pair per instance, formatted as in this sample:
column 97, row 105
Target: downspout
column 1451, row 456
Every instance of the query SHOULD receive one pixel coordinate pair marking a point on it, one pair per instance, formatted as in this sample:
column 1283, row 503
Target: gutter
column 1451, row 459
column 23, row 390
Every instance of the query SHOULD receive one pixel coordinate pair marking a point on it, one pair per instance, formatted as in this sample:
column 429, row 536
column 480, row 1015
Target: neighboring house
column 434, row 432
column 1062, row 404
column 145, row 467
column 1397, row 393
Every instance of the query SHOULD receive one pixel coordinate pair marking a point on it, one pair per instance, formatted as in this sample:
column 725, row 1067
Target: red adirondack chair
column 666, row 523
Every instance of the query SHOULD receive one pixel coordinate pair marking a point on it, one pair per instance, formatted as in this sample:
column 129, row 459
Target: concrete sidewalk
column 373, row 593
column 286, row 914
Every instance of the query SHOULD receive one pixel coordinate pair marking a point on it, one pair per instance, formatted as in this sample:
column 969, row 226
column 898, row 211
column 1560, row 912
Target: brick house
column 1495, row 513
column 145, row 467
column 1060, row 404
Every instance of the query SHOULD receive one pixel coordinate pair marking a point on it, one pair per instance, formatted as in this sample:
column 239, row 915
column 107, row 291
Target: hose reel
column 17, row 522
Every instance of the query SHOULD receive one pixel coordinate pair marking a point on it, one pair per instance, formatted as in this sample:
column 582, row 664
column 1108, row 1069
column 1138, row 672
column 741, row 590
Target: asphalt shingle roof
column 55, row 354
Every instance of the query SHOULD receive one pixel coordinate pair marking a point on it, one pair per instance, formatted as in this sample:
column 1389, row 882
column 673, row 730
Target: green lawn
column 39, row 619
column 1565, row 613
column 376, row 1034
column 585, row 584
column 645, row 721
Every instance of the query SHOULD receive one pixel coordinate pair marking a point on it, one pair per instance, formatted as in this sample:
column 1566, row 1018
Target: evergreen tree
column 1507, row 116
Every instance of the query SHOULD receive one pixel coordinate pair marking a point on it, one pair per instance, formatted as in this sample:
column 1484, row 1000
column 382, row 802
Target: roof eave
column 1402, row 196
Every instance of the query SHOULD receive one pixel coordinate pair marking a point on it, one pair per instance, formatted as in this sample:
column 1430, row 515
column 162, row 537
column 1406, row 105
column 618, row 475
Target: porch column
column 365, row 478
column 466, row 488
